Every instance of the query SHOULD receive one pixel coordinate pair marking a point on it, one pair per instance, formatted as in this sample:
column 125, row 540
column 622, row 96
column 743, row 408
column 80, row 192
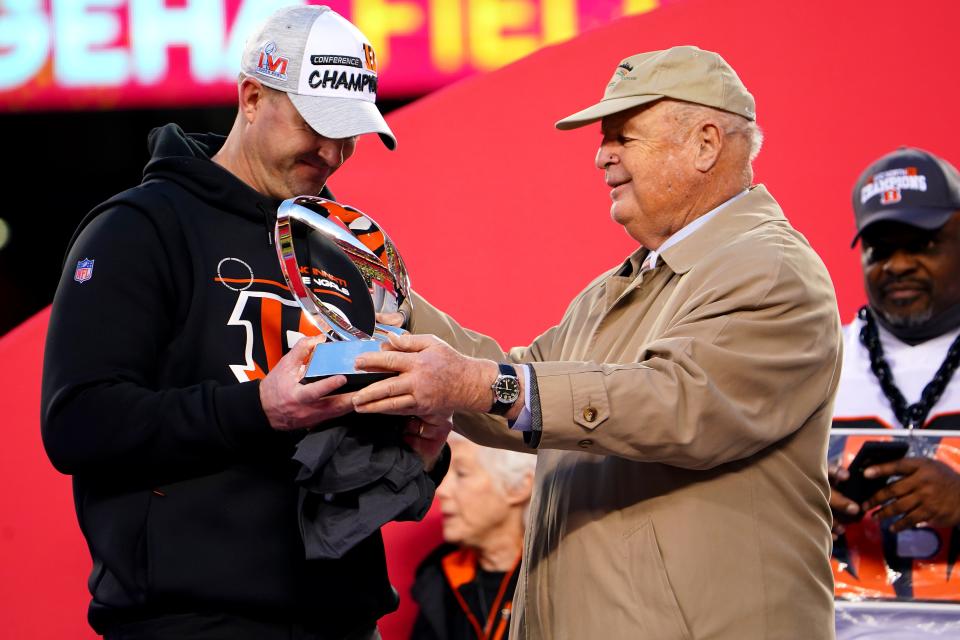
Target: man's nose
column 900, row 262
column 443, row 491
column 330, row 151
column 606, row 156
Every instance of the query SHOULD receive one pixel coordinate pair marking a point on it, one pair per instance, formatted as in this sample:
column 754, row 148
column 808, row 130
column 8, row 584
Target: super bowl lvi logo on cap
column 270, row 65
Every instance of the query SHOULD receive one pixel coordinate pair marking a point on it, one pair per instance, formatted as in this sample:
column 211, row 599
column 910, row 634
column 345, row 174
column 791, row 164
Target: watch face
column 507, row 389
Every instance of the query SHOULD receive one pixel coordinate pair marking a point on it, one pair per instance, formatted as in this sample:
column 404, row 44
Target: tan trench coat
column 681, row 488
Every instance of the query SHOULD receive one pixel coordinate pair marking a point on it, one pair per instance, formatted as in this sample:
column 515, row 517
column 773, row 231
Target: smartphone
column 873, row 452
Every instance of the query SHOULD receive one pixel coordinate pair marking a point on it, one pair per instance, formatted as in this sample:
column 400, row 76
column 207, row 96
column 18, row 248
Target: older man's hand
column 426, row 435
column 395, row 319
column 928, row 493
column 434, row 379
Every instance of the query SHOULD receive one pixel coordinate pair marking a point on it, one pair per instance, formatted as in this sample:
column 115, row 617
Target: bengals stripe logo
column 370, row 58
column 890, row 196
column 273, row 324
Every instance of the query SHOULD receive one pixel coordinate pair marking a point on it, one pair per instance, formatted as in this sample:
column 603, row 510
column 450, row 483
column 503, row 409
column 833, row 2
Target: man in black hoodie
column 171, row 375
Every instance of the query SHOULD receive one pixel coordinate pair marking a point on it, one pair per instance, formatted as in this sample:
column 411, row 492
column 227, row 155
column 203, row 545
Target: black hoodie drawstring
column 266, row 223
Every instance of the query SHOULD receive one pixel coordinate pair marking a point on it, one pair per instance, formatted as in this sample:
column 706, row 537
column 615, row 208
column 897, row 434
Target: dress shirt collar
column 754, row 209
column 650, row 261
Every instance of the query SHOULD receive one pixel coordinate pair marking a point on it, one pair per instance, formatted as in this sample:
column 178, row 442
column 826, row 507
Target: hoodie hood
column 186, row 159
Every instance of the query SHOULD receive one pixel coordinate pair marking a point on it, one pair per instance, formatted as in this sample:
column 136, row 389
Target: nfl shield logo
column 84, row 270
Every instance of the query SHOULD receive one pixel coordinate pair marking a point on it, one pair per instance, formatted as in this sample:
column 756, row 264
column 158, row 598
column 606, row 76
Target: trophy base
column 382, row 331
column 336, row 358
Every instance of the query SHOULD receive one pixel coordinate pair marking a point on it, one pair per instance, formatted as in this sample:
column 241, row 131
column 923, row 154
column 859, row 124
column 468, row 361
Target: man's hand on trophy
column 434, row 379
column 290, row 405
column 394, row 319
column 426, row 435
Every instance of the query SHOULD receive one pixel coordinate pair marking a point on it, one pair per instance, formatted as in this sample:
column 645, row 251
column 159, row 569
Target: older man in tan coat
column 680, row 409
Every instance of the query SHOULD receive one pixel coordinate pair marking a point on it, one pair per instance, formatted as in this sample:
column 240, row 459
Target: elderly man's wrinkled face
column 648, row 165
column 472, row 503
column 911, row 275
column 289, row 158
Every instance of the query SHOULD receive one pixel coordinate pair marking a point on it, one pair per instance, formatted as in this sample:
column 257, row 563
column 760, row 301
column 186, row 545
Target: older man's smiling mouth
column 616, row 186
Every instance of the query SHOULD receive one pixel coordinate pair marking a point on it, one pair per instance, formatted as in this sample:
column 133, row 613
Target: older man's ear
column 711, row 140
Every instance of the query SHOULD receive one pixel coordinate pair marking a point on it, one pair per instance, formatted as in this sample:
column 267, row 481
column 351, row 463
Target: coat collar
column 748, row 212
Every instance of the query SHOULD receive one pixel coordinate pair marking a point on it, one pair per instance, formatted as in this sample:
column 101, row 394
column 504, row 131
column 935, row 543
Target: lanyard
column 483, row 633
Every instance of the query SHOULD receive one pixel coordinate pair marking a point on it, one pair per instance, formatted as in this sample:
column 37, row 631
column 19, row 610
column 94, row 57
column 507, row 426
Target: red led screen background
column 101, row 54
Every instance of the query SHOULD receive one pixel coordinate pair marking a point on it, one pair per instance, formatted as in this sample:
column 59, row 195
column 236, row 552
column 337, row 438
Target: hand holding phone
column 873, row 452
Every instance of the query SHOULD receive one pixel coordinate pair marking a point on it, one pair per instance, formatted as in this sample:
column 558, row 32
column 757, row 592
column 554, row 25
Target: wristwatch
column 506, row 390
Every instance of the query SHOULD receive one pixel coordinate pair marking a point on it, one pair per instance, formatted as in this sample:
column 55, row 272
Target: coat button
column 589, row 414
column 585, row 444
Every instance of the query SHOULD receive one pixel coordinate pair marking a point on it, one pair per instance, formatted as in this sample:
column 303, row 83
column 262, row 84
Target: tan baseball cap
column 682, row 73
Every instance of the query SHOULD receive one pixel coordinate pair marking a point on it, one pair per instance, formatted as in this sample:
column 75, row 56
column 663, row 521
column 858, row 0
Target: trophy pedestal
column 336, row 358
column 383, row 329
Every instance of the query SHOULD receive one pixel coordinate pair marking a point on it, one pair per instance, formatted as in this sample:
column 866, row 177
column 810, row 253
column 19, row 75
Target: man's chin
column 309, row 181
column 619, row 215
column 451, row 535
column 906, row 319
column 309, row 189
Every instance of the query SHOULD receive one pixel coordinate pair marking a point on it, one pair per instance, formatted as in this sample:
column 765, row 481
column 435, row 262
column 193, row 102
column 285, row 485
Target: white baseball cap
column 325, row 65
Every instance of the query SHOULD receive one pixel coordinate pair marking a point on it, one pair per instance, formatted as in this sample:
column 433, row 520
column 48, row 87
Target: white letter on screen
column 83, row 31
column 24, row 41
column 154, row 27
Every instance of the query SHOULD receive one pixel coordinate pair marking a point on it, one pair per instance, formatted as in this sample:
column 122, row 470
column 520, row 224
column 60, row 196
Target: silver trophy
column 308, row 225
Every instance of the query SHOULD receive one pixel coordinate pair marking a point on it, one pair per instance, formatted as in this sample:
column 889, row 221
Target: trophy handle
column 331, row 324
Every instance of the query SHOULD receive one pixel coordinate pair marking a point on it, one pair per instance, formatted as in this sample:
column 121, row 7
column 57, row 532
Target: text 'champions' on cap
column 325, row 65
column 910, row 186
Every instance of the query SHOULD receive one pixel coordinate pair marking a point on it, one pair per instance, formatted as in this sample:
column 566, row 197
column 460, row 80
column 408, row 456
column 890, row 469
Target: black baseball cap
column 909, row 185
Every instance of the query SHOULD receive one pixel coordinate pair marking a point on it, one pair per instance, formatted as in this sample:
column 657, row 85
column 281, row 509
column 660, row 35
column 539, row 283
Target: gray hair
column 732, row 124
column 507, row 469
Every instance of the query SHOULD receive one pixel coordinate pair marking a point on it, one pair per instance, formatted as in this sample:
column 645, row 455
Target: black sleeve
column 103, row 410
column 439, row 471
